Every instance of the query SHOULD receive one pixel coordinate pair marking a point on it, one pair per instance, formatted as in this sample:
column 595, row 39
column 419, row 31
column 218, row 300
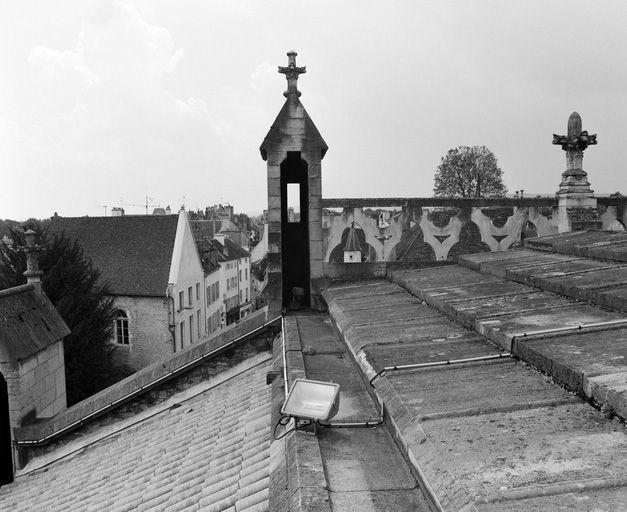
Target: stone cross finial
column 33, row 274
column 574, row 178
column 576, row 138
column 291, row 72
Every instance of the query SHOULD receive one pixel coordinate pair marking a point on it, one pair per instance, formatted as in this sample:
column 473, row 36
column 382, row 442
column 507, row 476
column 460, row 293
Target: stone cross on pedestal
column 574, row 179
column 291, row 72
column 32, row 273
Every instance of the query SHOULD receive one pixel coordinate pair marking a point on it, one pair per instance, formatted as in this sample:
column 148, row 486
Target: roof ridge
column 17, row 289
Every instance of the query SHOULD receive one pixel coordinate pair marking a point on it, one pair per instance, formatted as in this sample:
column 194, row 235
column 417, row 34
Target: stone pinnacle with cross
column 291, row 72
column 574, row 178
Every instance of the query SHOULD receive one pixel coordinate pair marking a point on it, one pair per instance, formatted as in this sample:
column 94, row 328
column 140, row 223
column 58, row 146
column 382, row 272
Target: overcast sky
column 107, row 102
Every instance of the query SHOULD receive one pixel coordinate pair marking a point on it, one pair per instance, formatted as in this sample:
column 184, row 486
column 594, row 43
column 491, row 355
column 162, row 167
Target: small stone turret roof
column 293, row 125
column 352, row 242
column 281, row 129
column 28, row 323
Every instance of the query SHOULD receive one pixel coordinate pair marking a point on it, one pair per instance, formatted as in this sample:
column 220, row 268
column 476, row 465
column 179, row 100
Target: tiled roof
column 133, row 253
column 28, row 323
column 204, row 229
column 227, row 251
column 208, row 451
column 234, row 251
column 210, row 252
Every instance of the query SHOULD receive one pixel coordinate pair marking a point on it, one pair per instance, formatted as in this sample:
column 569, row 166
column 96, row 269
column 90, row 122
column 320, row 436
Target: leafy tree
column 73, row 286
column 469, row 172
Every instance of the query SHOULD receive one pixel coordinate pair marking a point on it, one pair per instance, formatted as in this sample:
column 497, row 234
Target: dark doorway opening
column 6, row 456
column 295, row 231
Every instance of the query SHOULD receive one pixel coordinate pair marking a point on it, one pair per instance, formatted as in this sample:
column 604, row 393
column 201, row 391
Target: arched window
column 121, row 328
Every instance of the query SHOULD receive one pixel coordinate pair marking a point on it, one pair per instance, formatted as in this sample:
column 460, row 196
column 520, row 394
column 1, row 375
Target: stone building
column 32, row 367
column 155, row 275
column 233, row 280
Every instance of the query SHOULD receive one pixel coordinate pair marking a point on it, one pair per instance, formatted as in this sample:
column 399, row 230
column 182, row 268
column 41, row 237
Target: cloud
column 263, row 79
column 103, row 113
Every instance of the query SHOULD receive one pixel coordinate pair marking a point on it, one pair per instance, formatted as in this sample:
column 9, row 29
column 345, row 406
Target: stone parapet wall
column 441, row 229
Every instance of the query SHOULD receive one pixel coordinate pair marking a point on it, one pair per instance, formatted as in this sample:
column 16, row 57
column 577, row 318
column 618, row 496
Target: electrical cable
column 284, row 421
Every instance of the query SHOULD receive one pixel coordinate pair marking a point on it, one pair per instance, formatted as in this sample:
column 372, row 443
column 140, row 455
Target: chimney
column 33, row 274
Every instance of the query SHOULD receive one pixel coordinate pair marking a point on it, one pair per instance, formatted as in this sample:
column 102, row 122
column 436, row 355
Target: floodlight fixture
column 312, row 399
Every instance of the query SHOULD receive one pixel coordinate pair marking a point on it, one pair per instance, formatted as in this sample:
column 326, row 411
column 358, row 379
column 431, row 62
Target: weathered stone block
column 274, row 215
column 315, row 231
column 316, row 268
column 315, row 250
column 274, row 171
column 274, row 202
column 315, row 186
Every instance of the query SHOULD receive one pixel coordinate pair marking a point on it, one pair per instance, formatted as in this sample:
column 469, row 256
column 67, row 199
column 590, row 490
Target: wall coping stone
column 441, row 202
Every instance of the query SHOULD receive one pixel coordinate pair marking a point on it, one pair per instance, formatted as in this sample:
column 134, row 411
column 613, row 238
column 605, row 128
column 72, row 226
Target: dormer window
column 121, row 328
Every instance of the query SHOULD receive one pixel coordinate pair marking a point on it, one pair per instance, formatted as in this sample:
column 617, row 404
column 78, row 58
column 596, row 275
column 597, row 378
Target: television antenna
column 149, row 202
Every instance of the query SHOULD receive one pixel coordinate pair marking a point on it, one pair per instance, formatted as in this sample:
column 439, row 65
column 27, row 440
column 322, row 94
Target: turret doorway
column 295, row 231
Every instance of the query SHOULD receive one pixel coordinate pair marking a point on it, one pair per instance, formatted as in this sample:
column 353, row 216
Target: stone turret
column 293, row 150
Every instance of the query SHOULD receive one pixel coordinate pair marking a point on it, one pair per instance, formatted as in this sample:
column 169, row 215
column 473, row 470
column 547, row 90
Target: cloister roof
column 205, row 448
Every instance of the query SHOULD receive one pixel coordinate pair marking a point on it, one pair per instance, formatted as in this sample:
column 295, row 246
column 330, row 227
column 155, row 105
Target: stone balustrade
column 440, row 229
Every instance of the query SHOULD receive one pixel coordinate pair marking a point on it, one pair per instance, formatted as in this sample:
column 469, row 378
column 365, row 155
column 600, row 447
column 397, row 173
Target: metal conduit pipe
column 356, row 424
column 284, row 350
column 569, row 328
column 431, row 364
column 139, row 390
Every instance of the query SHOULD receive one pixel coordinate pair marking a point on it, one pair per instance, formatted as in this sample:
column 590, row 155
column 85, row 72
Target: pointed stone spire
column 291, row 72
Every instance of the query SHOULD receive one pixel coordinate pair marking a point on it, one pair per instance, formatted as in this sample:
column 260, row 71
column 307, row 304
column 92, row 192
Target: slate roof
column 133, row 253
column 210, row 451
column 209, row 255
column 28, row 323
column 204, row 229
column 233, row 251
column 227, row 251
